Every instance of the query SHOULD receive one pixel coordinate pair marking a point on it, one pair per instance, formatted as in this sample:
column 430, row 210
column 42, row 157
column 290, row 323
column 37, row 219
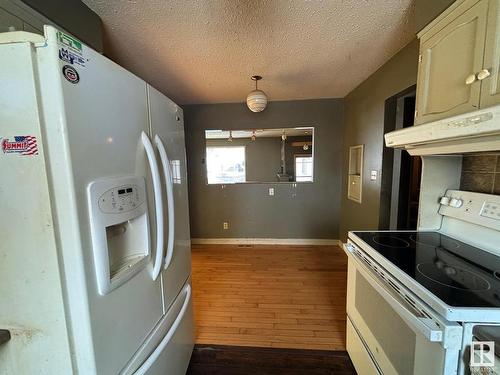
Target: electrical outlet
column 373, row 175
column 271, row 191
column 225, row 225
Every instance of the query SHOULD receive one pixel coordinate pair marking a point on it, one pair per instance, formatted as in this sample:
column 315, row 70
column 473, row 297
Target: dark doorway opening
column 401, row 173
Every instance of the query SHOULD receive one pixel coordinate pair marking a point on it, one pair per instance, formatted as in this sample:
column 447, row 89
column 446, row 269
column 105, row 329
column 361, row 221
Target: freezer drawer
column 174, row 358
column 168, row 349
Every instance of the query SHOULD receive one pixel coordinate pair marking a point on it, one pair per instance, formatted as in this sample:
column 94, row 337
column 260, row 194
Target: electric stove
column 457, row 273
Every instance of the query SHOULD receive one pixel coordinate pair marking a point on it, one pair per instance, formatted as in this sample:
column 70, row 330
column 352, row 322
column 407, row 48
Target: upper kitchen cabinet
column 490, row 74
column 451, row 58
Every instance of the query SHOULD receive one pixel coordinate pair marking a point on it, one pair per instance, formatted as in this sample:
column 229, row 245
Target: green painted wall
column 427, row 10
column 364, row 124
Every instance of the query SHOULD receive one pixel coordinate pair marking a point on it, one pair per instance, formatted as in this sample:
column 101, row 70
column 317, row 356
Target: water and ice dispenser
column 119, row 228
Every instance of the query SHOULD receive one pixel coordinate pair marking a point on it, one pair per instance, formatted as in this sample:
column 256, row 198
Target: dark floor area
column 240, row 360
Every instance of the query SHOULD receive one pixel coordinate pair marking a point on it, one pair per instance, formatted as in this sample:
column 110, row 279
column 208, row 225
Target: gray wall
column 364, row 124
column 309, row 210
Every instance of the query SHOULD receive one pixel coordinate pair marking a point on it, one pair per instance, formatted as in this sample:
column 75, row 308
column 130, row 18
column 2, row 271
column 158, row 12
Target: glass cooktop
column 459, row 274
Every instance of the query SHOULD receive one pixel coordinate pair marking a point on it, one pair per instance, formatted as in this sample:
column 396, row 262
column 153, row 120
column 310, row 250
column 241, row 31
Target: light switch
column 374, row 175
column 271, row 191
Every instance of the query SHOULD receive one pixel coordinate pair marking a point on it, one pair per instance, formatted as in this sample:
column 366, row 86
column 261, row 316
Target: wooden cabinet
column 459, row 62
column 21, row 20
column 9, row 22
column 451, row 54
column 490, row 85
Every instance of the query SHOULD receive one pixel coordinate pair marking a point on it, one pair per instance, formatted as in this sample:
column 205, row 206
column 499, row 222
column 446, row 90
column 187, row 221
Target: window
column 226, row 165
column 303, row 168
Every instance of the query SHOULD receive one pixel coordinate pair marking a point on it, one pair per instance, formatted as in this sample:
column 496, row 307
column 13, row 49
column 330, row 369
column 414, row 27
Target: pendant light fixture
column 253, row 135
column 230, row 139
column 257, row 99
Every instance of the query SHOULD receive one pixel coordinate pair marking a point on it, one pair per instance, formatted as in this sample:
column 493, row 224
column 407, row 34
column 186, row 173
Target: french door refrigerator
column 94, row 228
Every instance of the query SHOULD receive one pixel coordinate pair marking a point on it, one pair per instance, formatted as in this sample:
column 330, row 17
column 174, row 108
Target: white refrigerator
column 94, row 227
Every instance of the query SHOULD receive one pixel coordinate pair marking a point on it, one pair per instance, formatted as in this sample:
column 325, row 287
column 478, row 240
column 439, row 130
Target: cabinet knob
column 485, row 73
column 470, row 79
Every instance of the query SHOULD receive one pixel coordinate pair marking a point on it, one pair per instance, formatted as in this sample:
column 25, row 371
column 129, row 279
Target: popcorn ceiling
column 205, row 51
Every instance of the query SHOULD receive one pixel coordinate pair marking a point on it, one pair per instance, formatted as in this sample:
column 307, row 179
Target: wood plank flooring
column 270, row 296
column 237, row 360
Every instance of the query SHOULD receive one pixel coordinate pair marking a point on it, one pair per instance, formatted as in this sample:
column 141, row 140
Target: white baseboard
column 264, row 241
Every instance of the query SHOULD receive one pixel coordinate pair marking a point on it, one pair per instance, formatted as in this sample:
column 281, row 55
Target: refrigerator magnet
column 70, row 74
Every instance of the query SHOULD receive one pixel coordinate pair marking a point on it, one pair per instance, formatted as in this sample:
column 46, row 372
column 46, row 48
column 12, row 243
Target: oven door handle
column 427, row 327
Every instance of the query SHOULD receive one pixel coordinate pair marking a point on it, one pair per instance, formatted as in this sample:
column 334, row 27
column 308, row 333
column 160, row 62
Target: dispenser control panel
column 121, row 199
column 118, row 216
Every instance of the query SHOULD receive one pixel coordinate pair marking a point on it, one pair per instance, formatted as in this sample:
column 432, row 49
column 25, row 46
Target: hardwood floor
column 237, row 360
column 270, row 296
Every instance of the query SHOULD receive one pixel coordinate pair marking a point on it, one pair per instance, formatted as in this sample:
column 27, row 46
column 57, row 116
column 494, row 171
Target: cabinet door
column 448, row 56
column 9, row 22
column 490, row 86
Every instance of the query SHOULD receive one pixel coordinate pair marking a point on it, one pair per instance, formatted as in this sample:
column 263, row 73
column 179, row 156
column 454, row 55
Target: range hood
column 471, row 132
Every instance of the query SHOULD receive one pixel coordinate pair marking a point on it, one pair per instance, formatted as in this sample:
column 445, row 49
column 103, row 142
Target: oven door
column 399, row 334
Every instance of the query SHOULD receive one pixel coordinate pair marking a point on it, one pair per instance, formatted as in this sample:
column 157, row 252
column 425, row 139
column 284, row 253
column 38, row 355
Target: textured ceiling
column 205, row 51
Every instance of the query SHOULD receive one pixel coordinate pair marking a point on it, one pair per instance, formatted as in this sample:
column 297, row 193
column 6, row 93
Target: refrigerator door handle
column 170, row 199
column 155, row 173
column 166, row 339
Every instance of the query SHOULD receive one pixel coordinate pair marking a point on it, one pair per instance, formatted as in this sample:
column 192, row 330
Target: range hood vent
column 472, row 132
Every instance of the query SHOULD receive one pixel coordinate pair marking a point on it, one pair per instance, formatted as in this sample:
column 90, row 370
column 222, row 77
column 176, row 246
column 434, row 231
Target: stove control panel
column 491, row 210
column 476, row 208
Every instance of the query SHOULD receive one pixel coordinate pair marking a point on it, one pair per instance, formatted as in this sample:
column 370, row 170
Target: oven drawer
column 360, row 357
column 400, row 338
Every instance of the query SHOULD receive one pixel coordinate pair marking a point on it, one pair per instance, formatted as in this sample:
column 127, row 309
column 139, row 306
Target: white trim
column 264, row 241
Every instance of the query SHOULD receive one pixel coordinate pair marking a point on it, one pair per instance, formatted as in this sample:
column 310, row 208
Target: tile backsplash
column 481, row 173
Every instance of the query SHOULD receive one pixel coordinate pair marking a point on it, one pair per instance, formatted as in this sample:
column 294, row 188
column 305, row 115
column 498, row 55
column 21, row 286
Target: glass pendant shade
column 257, row 99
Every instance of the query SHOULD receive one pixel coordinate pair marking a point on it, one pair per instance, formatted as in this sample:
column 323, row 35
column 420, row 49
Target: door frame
column 391, row 160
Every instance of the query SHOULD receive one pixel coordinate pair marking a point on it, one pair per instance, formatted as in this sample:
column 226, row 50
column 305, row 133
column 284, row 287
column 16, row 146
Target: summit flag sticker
column 25, row 145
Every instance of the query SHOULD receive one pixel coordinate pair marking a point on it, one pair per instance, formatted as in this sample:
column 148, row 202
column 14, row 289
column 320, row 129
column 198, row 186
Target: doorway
column 401, row 172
